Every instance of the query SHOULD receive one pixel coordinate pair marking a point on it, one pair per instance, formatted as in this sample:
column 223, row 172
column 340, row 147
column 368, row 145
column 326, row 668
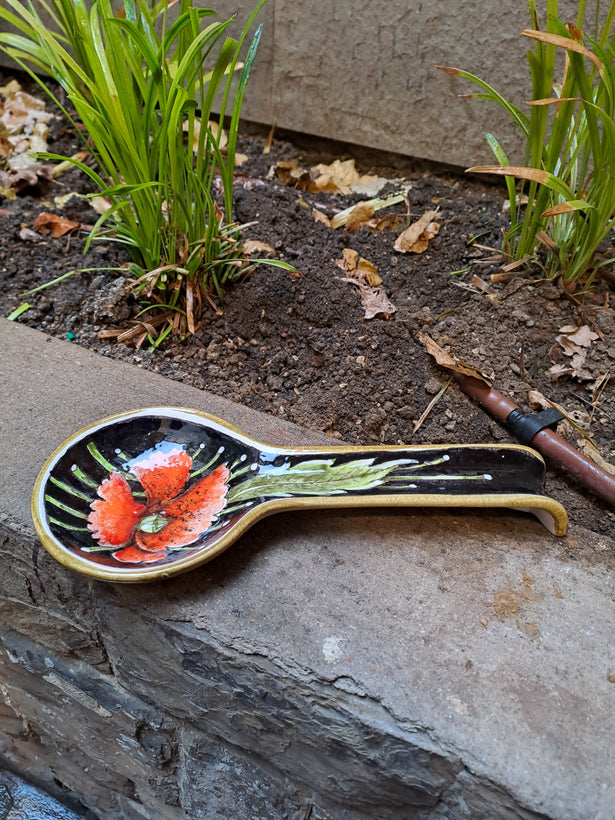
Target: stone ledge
column 352, row 664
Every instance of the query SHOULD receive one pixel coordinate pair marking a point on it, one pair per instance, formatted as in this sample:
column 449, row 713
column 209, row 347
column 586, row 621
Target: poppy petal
column 112, row 520
column 191, row 513
column 162, row 474
column 133, row 555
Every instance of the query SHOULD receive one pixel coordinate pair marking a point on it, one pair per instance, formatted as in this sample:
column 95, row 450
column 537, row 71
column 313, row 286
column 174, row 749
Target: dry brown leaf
column 598, row 387
column 477, row 282
column 335, row 178
column 364, row 274
column 213, row 127
column 108, row 334
column 588, row 449
column 533, row 174
column 368, row 185
column 21, row 112
column 47, row 223
column 422, row 243
column 547, row 242
column 66, row 165
column 538, row 401
column 575, row 368
column 12, row 87
column 23, row 133
column 320, row 217
column 6, row 147
column 363, row 212
column 25, row 147
column 565, row 43
column 450, row 362
column 359, row 216
column 253, row 247
column 556, row 210
column 520, row 199
column 574, row 343
column 61, row 201
column 388, row 222
column 349, row 262
column 581, row 336
column 568, row 347
column 375, row 302
column 291, row 173
column 25, row 177
column 369, row 272
column 340, row 177
column 483, row 287
column 359, row 268
column 100, row 204
column 411, row 240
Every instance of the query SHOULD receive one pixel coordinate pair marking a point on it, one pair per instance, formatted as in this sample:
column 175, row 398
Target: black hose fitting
column 525, row 426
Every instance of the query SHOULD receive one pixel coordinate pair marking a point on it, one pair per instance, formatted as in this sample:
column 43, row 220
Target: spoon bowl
column 149, row 493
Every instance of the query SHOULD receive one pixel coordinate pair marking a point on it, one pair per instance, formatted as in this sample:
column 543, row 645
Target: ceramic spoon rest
column 153, row 492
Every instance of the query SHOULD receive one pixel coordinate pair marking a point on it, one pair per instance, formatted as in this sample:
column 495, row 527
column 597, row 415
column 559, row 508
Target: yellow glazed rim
column 550, row 512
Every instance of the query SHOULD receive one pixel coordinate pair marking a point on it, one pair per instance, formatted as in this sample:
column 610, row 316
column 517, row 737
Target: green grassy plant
column 143, row 79
column 569, row 171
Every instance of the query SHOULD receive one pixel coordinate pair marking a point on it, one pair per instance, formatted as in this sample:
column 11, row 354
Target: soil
column 299, row 346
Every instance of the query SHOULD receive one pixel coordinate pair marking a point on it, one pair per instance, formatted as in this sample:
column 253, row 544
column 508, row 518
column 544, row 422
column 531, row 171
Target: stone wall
column 115, row 700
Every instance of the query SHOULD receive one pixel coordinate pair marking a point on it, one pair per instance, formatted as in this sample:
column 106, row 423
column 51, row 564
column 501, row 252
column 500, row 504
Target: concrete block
column 362, row 72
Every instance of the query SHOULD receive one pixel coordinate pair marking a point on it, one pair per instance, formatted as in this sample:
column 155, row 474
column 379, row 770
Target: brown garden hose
column 534, row 430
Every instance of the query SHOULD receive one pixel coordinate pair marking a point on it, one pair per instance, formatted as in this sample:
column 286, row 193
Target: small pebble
column 432, row 386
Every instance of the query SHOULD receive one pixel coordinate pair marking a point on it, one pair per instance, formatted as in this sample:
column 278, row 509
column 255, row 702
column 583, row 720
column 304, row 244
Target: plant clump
column 144, row 79
column 564, row 207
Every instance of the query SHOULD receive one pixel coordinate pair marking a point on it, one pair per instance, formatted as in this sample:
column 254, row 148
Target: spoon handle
column 444, row 475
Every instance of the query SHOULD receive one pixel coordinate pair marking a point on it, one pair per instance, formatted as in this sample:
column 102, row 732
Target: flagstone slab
column 345, row 664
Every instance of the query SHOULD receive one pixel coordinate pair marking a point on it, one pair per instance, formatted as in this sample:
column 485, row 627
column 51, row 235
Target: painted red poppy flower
column 170, row 518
